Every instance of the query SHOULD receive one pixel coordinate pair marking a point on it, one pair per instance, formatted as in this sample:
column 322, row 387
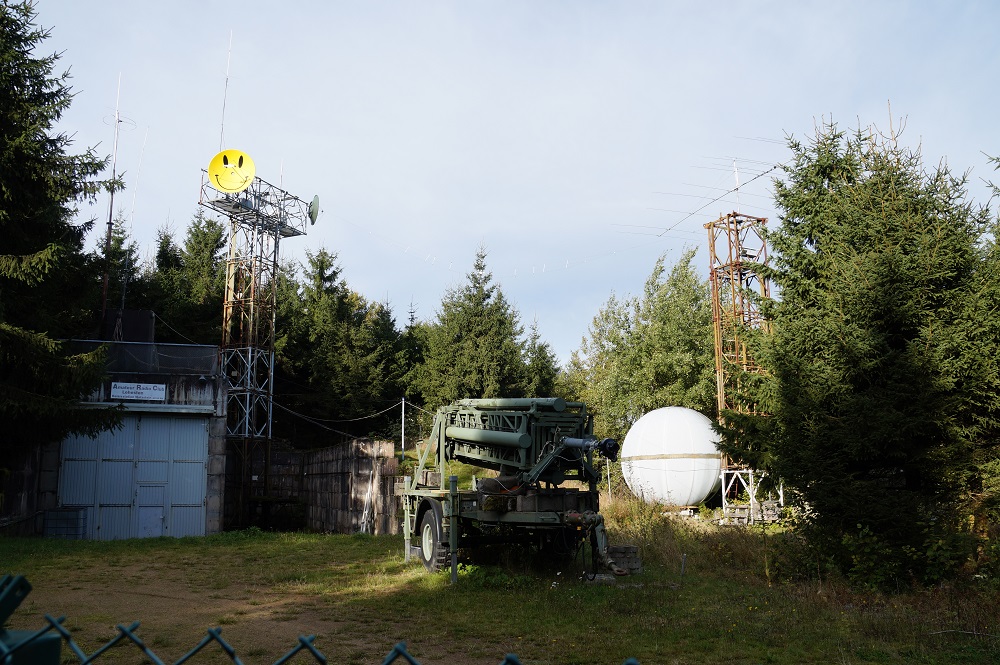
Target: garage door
column 144, row 480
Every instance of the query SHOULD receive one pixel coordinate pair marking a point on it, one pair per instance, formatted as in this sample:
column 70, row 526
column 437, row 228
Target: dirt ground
column 262, row 626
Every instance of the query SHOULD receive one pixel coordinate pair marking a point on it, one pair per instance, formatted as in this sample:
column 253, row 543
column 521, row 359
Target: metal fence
column 44, row 646
column 154, row 358
column 37, row 648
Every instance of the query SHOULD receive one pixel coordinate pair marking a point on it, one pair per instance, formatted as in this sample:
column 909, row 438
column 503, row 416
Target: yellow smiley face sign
column 231, row 171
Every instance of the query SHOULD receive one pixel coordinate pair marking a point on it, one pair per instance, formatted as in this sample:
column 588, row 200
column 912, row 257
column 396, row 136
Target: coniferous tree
column 541, row 366
column 166, row 289
column 645, row 353
column 671, row 348
column 337, row 354
column 412, row 347
column 128, row 286
column 474, row 349
column 42, row 262
column 204, row 275
column 880, row 408
column 186, row 284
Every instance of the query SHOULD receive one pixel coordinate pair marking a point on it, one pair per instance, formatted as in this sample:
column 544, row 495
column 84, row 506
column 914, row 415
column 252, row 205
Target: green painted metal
column 554, row 403
column 536, row 445
column 509, row 439
column 23, row 647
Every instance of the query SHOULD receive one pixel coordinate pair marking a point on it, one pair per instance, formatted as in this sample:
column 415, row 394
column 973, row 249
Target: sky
column 575, row 141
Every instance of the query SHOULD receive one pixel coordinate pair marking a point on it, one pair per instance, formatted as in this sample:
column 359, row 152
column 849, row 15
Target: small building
column 162, row 472
column 165, row 470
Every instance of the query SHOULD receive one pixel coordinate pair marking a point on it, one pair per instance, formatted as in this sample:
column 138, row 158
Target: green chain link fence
column 44, row 646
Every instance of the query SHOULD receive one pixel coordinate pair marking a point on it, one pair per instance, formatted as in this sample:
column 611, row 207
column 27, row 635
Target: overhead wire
column 414, row 406
column 718, row 198
column 174, row 330
column 311, row 420
column 352, row 420
column 562, row 264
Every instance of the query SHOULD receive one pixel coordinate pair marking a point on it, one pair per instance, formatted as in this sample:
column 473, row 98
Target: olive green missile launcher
column 545, row 489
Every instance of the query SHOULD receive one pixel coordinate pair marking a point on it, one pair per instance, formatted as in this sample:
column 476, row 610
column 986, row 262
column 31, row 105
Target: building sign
column 146, row 391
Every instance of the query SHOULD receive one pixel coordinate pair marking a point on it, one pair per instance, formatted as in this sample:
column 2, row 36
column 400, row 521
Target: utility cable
column 174, row 330
column 414, row 406
column 721, row 196
column 352, row 420
column 313, row 421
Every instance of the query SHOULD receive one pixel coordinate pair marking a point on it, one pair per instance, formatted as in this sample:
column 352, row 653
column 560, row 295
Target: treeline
column 342, row 360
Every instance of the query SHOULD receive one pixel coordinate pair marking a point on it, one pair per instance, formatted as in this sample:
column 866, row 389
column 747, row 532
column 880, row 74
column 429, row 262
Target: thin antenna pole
column 736, row 172
column 135, row 189
column 111, row 206
column 225, row 93
column 131, row 220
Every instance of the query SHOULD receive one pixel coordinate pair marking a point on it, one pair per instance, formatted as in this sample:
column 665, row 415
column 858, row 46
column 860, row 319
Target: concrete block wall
column 215, row 496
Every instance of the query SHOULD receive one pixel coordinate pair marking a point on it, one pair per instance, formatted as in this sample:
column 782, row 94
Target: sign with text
column 146, row 391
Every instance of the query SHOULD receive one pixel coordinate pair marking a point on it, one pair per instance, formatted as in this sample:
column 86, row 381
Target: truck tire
column 433, row 547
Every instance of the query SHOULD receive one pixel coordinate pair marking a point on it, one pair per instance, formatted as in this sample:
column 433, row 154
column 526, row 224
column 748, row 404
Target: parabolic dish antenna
column 670, row 456
column 231, row 171
column 314, row 210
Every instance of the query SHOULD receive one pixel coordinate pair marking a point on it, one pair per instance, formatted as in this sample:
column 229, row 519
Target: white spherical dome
column 670, row 456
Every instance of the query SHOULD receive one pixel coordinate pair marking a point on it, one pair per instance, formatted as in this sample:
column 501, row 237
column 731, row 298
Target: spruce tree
column 337, row 355
column 474, row 349
column 541, row 366
column 649, row 352
column 878, row 414
column 42, row 262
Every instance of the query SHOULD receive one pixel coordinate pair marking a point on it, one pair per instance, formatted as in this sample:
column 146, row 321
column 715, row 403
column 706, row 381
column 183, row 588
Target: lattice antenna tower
column 736, row 246
column 260, row 216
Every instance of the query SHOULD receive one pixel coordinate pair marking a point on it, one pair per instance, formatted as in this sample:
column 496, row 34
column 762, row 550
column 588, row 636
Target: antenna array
column 259, row 217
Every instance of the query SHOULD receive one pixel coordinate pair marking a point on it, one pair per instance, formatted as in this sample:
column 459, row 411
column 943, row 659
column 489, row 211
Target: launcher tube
column 555, row 403
column 509, row 439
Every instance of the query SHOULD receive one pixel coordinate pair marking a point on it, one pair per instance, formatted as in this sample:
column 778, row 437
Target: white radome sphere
column 670, row 456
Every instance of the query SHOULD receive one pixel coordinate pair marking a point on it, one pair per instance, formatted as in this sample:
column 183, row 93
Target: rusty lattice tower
column 736, row 247
column 259, row 217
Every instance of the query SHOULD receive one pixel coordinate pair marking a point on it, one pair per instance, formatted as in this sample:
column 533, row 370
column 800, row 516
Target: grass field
column 359, row 597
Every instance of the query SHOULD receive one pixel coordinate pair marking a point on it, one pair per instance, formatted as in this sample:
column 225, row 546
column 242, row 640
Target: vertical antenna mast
column 117, row 335
column 225, row 93
column 736, row 172
column 111, row 207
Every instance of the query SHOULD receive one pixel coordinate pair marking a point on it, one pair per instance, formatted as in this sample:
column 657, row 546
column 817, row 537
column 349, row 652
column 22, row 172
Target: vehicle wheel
column 433, row 549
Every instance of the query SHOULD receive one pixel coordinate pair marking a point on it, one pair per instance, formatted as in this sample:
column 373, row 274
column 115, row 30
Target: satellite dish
column 231, row 171
column 314, row 210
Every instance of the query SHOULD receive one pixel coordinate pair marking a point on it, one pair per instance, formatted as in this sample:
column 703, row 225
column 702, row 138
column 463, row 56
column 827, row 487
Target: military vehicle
column 544, row 492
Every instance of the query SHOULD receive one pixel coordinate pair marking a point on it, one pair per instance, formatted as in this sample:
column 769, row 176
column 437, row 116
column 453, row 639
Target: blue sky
column 565, row 137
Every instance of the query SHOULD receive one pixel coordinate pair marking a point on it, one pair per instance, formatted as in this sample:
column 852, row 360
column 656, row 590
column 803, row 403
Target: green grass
column 739, row 600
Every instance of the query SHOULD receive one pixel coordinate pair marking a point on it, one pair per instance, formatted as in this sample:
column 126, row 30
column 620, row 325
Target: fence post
column 453, row 527
column 406, row 520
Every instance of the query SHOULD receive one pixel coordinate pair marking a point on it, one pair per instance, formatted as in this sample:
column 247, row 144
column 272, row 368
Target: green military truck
column 534, row 446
